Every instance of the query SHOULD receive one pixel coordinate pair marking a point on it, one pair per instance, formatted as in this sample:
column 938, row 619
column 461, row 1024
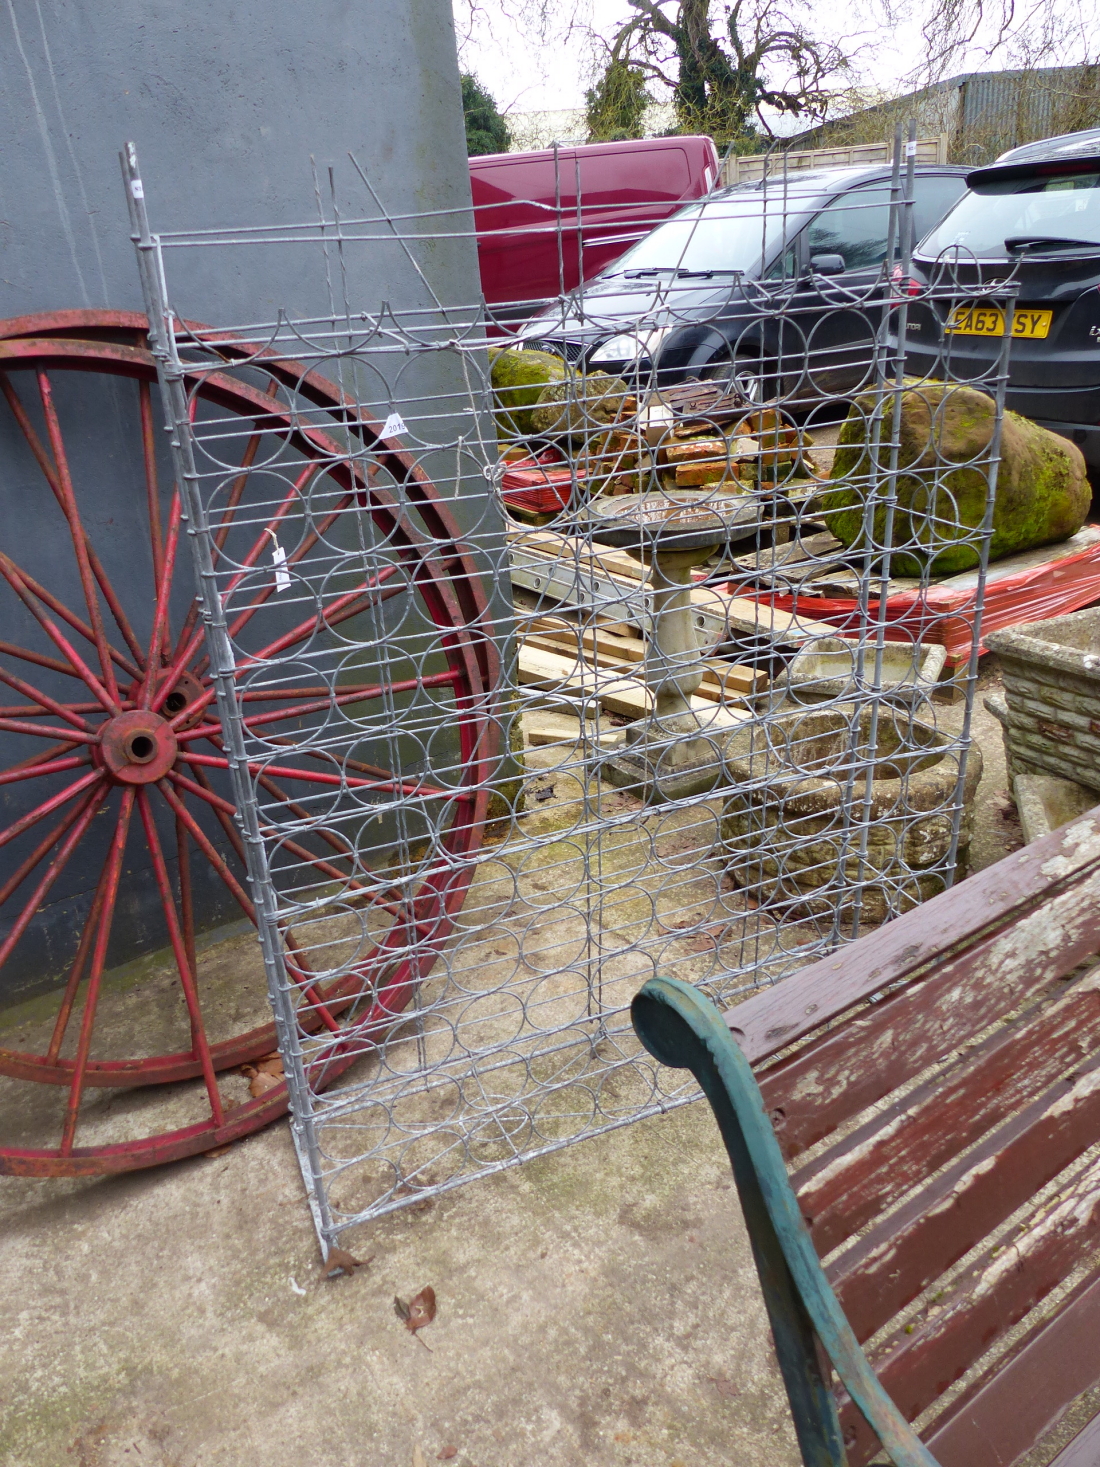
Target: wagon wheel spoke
column 223, row 809
column 47, row 807
column 71, row 713
column 76, row 970
column 67, row 501
column 199, row 1041
column 159, row 635
column 362, row 693
column 67, row 615
column 199, row 836
column 49, row 471
column 389, row 785
column 39, row 659
column 323, row 833
column 113, row 872
column 22, row 586
column 263, row 542
column 116, row 678
column 45, row 845
column 47, row 880
column 233, row 499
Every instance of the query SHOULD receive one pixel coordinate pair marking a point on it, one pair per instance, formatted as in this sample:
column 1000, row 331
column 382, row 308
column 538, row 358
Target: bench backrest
column 928, row 1082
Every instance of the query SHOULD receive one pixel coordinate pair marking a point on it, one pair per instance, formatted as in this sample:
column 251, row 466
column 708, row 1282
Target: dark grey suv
column 777, row 284
column 1032, row 217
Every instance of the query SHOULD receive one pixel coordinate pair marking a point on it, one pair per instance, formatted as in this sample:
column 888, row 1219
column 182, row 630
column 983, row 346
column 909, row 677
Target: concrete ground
column 598, row 1306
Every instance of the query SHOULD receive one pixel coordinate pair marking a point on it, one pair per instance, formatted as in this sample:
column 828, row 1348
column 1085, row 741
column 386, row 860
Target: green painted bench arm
column 684, row 1030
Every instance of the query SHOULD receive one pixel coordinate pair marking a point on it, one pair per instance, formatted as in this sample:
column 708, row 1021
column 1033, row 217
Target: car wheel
column 749, row 373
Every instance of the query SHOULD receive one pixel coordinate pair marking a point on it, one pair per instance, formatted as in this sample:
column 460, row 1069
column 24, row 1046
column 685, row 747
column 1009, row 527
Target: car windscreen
column 732, row 232
column 1034, row 214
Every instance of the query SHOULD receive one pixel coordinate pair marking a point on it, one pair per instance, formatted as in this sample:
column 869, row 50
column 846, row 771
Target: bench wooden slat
column 963, row 999
column 1001, row 1416
column 1083, row 1450
column 864, row 1060
column 968, row 914
column 874, row 1166
column 893, row 1262
column 984, row 1303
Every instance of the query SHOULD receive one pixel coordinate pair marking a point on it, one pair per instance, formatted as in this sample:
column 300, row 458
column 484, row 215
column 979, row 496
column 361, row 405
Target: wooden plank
column 627, row 696
column 627, row 575
column 1083, row 1450
column 904, row 1253
column 605, row 649
column 867, row 1058
column 912, row 946
column 1000, row 1417
column 904, row 1144
column 983, row 1304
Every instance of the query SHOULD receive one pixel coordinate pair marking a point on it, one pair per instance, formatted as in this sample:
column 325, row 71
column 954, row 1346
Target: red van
column 625, row 189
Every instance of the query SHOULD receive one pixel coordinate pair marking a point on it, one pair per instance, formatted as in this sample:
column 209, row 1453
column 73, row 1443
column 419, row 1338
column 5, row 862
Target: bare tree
column 725, row 67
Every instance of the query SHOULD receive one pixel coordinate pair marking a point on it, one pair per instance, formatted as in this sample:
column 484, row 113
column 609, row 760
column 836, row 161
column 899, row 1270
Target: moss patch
column 944, row 436
column 518, row 378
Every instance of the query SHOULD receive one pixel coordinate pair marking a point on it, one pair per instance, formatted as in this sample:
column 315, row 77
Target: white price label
column 282, row 575
column 910, row 150
column 136, row 188
column 393, row 425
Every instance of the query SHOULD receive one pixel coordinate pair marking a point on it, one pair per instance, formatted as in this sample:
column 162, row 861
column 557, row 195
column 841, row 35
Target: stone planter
column 784, row 829
column 826, row 670
column 1051, row 708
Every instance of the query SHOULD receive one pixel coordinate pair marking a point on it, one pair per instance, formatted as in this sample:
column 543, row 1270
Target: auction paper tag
column 393, row 425
column 282, row 575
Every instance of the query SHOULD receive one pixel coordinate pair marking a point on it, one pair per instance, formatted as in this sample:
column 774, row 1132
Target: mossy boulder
column 578, row 407
column 518, row 378
column 944, row 435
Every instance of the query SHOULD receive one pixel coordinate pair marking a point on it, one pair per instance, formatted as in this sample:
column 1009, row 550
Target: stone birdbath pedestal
column 673, row 753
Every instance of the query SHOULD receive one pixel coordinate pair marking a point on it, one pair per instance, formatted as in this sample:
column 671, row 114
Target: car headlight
column 630, row 346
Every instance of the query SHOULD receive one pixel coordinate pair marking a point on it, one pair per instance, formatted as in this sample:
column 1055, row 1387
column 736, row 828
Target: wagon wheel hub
column 185, row 693
column 138, row 747
column 128, row 782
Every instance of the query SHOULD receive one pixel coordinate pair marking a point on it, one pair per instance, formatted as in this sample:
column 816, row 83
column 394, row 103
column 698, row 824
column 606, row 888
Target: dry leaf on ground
column 446, row 1454
column 264, row 1075
column 340, row 1263
column 261, row 1083
column 418, row 1456
column 419, row 1311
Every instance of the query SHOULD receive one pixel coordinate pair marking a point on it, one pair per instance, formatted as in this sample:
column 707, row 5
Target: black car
column 776, row 284
column 1032, row 218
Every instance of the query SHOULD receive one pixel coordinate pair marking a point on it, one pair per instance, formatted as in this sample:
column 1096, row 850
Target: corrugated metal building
column 982, row 113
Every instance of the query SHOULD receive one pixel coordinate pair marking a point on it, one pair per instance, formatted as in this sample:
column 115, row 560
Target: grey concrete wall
column 227, row 101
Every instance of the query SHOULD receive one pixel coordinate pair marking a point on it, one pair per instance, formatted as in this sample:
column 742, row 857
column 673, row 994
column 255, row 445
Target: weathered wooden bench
column 936, row 1086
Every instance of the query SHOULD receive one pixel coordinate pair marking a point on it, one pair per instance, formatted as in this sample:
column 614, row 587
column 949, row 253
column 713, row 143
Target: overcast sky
column 525, row 76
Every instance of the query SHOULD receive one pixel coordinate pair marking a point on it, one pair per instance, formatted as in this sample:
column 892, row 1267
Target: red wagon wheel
column 115, row 740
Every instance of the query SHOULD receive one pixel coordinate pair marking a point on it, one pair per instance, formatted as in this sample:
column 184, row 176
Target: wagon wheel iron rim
column 128, row 744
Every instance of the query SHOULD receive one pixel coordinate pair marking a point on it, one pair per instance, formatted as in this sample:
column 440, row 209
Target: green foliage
column 615, row 106
column 486, row 129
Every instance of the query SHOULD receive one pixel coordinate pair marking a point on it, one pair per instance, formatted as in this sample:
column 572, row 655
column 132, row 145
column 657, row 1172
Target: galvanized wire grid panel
column 651, row 765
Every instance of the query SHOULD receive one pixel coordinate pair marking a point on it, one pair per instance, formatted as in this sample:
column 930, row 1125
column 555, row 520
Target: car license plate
column 990, row 321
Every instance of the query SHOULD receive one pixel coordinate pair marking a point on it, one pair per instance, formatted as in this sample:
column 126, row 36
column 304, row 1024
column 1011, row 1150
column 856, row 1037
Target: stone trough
column 785, row 830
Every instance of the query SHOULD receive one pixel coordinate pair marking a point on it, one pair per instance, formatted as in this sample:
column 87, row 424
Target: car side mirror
column 827, row 265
